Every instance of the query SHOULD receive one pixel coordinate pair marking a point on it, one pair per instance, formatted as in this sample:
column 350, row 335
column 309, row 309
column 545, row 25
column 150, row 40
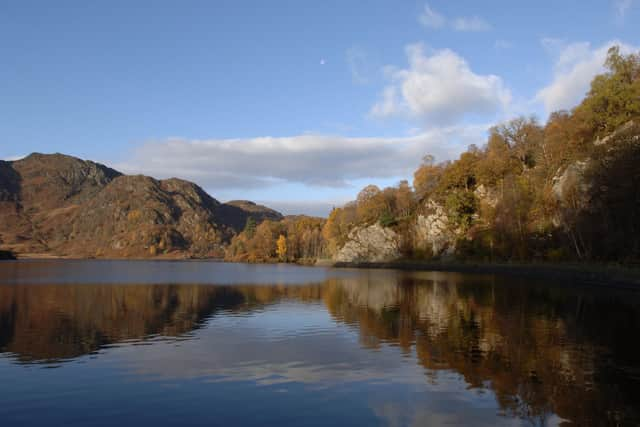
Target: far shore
column 610, row 275
column 614, row 275
column 174, row 256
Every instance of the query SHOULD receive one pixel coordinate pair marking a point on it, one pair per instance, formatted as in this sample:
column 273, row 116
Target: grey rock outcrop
column 433, row 230
column 486, row 195
column 627, row 127
column 373, row 243
column 570, row 187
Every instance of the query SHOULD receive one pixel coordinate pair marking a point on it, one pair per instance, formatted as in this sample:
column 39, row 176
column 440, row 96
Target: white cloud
column 473, row 23
column 576, row 65
column 440, row 88
column 431, row 19
column 311, row 160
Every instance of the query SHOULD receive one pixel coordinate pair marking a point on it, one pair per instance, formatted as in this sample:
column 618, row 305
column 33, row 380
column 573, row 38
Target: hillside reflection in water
column 371, row 347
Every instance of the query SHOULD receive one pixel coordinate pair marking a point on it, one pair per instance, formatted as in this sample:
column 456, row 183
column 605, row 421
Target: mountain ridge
column 60, row 205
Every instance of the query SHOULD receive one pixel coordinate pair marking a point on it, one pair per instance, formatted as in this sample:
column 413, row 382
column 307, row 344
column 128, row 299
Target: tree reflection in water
column 541, row 349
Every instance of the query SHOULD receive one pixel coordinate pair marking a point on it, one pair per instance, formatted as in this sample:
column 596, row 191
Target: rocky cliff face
column 572, row 187
column 61, row 205
column 372, row 243
column 433, row 231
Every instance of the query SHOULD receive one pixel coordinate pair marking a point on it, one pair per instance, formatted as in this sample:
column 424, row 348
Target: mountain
column 61, row 205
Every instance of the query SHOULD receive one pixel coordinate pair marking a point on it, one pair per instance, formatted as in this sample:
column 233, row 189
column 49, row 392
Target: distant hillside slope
column 236, row 212
column 60, row 205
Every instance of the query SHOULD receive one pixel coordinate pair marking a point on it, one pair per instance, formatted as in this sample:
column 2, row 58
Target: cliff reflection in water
column 541, row 349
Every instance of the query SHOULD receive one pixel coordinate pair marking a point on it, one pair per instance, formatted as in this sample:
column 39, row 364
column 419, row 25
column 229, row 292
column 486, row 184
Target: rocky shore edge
column 618, row 276
column 6, row 255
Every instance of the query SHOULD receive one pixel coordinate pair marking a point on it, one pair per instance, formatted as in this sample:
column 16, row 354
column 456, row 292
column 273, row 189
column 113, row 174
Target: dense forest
column 567, row 190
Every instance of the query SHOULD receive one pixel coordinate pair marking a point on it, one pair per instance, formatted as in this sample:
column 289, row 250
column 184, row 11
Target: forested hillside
column 566, row 190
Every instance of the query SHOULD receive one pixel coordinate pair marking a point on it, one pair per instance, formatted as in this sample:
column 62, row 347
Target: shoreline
column 166, row 257
column 602, row 275
column 595, row 274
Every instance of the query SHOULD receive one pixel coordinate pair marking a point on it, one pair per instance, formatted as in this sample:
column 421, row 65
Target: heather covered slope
column 60, row 205
column 39, row 190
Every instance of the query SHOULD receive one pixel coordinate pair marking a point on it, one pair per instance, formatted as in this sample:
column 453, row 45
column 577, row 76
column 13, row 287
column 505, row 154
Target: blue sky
column 297, row 104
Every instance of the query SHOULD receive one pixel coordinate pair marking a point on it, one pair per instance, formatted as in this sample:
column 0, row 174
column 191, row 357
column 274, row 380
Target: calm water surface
column 202, row 343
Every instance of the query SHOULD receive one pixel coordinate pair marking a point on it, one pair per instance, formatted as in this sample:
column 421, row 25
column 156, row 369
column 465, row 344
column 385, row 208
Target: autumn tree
column 559, row 144
column 297, row 239
column 281, row 248
column 250, row 227
column 427, row 177
column 522, row 136
column 460, row 174
column 371, row 204
column 338, row 225
column 404, row 199
column 614, row 98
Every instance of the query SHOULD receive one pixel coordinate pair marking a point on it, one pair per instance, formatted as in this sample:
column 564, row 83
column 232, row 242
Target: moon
column 322, row 61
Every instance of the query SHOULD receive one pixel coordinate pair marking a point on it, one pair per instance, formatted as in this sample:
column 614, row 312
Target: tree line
column 568, row 189
column 293, row 239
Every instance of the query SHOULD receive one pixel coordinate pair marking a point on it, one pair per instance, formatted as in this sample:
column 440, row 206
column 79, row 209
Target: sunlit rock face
column 374, row 243
column 570, row 187
column 433, row 231
column 628, row 127
column 487, row 195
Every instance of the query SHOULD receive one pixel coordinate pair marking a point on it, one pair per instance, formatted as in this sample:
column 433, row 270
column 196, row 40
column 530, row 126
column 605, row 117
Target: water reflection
column 52, row 322
column 544, row 353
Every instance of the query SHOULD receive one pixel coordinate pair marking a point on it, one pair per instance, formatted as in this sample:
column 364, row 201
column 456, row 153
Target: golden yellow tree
column 281, row 248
